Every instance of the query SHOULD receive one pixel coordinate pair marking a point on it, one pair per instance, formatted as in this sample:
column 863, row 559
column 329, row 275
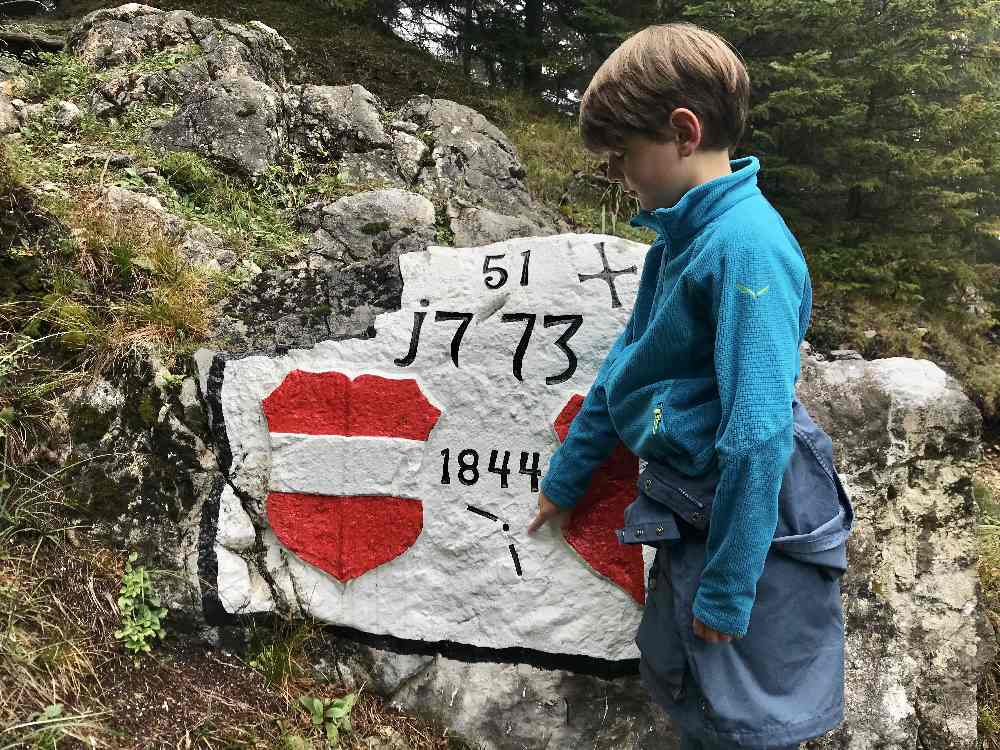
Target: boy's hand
column 707, row 633
column 547, row 510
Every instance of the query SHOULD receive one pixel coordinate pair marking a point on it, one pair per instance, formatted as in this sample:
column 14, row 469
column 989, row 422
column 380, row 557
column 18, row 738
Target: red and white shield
column 591, row 527
column 336, row 444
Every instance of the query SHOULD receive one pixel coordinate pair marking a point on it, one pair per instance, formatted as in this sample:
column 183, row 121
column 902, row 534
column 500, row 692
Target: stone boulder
column 497, row 703
column 327, row 120
column 906, row 441
column 347, row 275
column 472, row 157
column 190, row 52
column 363, row 226
column 134, row 449
column 238, row 104
column 237, row 122
column 474, row 168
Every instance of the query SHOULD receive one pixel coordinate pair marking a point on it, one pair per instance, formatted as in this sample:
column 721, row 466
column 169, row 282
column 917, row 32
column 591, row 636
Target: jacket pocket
column 687, row 497
column 647, row 522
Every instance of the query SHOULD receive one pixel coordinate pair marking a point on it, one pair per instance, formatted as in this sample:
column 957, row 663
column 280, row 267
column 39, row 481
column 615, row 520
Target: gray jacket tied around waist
column 815, row 514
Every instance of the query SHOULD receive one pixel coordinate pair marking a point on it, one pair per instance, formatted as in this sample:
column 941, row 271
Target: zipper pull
column 657, row 415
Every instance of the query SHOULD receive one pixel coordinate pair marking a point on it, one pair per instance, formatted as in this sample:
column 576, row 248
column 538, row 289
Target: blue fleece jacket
column 704, row 373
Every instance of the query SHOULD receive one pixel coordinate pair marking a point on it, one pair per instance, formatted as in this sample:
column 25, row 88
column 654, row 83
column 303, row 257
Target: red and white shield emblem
column 591, row 527
column 336, row 445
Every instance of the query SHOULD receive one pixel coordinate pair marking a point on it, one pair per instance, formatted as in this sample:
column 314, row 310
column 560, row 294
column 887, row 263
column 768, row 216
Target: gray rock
column 9, row 122
column 472, row 160
column 204, row 50
column 907, row 441
column 66, row 115
column 237, row 122
column 371, row 169
column 139, row 455
column 202, row 246
column 474, row 225
column 348, row 274
column 366, row 225
column 405, row 126
column 410, row 152
column 333, row 119
column 845, row 354
column 505, row 706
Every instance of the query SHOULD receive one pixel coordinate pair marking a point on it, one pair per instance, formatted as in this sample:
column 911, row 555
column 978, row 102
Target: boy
column 703, row 379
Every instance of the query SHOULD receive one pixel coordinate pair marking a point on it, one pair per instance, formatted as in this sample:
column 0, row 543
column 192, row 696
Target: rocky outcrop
column 906, row 441
column 348, row 274
column 328, row 120
column 909, row 439
column 239, row 104
column 184, row 51
column 237, row 122
column 134, row 448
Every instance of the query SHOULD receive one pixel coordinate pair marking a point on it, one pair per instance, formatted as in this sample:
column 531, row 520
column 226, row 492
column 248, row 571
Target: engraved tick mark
column 505, row 527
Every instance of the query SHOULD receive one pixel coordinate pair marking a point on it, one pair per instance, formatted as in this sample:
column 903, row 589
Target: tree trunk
column 467, row 40
column 532, row 81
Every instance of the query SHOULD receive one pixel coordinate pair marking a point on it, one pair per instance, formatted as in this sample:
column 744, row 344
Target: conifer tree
column 879, row 124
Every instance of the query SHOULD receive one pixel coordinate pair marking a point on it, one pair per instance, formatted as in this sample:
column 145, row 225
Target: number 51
column 501, row 278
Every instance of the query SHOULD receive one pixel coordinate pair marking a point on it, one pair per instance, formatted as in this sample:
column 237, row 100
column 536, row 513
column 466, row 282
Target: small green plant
column 276, row 652
column 140, row 609
column 444, row 234
column 333, row 715
column 60, row 75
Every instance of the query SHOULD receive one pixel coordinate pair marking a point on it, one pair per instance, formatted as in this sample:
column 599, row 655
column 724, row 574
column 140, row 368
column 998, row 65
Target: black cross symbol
column 608, row 275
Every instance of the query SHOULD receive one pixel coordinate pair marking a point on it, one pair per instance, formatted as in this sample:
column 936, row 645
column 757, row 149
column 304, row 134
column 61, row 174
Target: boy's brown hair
column 657, row 70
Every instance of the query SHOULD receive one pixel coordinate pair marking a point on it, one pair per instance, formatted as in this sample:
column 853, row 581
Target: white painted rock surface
column 407, row 556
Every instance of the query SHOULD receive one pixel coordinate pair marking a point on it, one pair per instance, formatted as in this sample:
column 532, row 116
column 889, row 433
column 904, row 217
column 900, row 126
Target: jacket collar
column 703, row 203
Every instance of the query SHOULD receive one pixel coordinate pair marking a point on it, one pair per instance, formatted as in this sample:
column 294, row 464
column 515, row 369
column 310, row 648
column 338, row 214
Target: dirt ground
column 58, row 605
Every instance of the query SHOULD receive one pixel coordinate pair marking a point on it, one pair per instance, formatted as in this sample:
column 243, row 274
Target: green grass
column 988, row 533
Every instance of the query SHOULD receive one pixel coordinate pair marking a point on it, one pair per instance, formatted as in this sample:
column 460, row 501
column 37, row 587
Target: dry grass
column 123, row 287
column 987, row 489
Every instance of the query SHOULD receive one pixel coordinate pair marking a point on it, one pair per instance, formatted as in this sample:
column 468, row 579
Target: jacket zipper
column 657, row 416
column 689, row 497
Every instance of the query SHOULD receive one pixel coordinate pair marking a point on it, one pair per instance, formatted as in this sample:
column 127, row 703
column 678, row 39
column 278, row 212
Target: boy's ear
column 687, row 128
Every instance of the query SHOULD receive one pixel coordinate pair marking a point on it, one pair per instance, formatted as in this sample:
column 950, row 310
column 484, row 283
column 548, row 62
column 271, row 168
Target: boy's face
column 660, row 173
column 655, row 172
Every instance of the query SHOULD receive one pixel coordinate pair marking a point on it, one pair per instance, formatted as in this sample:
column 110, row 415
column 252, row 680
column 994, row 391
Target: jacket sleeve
column 756, row 298
column 589, row 441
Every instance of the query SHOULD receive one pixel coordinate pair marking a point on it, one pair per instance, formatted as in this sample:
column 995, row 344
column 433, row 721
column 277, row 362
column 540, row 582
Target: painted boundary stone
column 390, row 479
